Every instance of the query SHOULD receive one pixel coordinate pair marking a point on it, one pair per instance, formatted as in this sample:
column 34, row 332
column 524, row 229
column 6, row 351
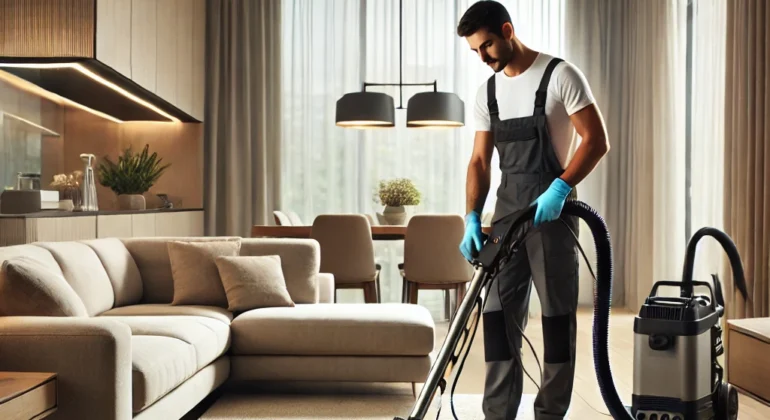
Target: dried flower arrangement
column 399, row 192
column 68, row 186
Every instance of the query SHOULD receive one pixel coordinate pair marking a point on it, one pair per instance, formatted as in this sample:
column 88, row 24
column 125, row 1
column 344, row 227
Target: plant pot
column 131, row 202
column 394, row 215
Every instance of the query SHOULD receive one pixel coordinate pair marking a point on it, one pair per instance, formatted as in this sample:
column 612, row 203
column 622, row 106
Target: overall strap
column 542, row 90
column 494, row 111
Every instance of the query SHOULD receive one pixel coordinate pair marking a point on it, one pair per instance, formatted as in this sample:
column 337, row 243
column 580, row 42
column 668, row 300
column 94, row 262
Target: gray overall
column 549, row 259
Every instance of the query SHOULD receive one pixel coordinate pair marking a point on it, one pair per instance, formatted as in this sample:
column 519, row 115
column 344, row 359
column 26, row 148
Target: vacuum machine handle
column 680, row 285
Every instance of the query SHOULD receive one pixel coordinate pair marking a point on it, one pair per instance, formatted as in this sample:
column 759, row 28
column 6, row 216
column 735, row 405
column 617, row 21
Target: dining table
column 379, row 232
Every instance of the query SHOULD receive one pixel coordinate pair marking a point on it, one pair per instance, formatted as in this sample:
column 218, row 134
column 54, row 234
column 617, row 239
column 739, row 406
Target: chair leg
column 370, row 292
column 447, row 299
column 413, row 290
column 379, row 289
column 461, row 291
column 404, row 294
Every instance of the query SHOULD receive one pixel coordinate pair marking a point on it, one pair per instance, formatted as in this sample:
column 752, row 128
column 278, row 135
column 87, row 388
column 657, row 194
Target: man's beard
column 498, row 64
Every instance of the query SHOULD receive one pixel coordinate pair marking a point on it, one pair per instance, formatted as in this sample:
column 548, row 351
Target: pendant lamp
column 425, row 109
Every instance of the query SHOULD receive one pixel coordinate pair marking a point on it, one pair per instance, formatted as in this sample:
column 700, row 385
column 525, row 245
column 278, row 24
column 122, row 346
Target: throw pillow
column 29, row 288
column 253, row 282
column 194, row 271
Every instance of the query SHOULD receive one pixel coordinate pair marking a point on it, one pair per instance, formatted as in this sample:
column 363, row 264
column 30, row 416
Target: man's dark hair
column 484, row 14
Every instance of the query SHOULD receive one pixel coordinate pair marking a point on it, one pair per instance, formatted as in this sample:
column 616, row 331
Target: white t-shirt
column 568, row 93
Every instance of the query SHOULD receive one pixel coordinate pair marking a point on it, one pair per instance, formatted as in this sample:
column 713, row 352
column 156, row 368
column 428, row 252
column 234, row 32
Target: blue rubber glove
column 551, row 202
column 473, row 238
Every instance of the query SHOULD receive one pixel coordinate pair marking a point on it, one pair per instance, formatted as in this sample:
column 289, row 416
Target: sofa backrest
column 113, row 272
column 100, row 271
column 151, row 257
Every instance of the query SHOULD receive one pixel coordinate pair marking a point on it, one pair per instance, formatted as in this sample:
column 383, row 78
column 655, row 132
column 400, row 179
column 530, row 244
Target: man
column 529, row 110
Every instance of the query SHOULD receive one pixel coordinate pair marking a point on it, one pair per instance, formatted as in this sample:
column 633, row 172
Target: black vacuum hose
column 602, row 305
column 730, row 250
column 602, row 299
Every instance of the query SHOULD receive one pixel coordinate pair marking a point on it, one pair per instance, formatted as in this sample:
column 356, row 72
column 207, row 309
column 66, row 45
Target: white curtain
column 633, row 54
column 708, row 136
column 330, row 48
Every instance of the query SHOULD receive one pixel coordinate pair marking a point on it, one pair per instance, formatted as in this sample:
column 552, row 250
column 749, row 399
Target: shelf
column 29, row 126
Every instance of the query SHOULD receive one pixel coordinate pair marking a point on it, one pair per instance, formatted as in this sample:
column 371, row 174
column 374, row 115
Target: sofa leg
column 414, row 390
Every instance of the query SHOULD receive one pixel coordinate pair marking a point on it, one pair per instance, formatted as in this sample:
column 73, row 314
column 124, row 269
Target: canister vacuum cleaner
column 677, row 340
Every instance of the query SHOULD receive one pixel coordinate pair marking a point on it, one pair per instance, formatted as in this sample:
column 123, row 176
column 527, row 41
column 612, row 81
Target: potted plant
column 394, row 195
column 131, row 176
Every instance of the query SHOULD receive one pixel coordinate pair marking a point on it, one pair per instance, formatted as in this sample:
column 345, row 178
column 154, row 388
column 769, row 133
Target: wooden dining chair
column 347, row 252
column 432, row 259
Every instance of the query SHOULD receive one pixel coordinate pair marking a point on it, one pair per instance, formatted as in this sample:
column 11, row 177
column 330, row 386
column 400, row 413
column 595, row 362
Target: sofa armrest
column 90, row 356
column 325, row 287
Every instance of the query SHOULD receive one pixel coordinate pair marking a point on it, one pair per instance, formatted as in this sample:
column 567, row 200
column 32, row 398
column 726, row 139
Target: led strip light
column 97, row 78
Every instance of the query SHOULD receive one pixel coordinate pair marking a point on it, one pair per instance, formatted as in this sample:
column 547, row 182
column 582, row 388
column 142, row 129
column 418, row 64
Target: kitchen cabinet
column 170, row 41
column 113, row 34
column 166, row 35
column 49, row 226
column 144, row 43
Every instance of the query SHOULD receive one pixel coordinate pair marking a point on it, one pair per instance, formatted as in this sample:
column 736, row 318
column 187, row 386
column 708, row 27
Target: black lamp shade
column 435, row 109
column 366, row 110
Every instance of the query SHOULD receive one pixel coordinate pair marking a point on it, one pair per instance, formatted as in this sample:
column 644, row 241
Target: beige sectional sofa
column 134, row 354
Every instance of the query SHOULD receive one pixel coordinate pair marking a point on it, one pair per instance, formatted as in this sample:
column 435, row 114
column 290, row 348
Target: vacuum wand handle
column 451, row 341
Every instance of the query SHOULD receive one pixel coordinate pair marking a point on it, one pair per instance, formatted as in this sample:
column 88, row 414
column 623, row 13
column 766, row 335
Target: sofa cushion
column 121, row 269
column 159, row 364
column 162, row 309
column 253, row 282
column 29, row 287
column 31, row 251
column 194, row 271
column 300, row 262
column 84, row 272
column 208, row 338
column 151, row 256
column 388, row 329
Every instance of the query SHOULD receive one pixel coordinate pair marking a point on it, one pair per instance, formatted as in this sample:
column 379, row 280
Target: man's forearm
column 587, row 156
column 477, row 186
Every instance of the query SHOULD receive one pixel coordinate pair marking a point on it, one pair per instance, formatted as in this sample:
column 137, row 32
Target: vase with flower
column 395, row 195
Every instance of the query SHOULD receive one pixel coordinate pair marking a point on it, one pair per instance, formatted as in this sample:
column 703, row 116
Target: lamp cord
column 400, row 54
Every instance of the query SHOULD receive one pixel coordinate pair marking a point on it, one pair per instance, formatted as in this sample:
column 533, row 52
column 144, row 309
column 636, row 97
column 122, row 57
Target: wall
column 181, row 145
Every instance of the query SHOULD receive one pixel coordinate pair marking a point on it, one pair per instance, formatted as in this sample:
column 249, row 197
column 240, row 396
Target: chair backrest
column 281, row 219
column 347, row 250
column 295, row 219
column 432, row 249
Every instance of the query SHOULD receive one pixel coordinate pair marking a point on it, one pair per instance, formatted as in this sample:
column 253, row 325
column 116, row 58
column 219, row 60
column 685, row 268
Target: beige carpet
column 340, row 407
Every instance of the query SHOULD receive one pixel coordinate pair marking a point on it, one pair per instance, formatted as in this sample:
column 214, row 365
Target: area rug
column 341, row 407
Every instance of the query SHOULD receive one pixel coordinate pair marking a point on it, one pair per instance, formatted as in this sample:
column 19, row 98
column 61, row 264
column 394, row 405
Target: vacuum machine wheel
column 727, row 402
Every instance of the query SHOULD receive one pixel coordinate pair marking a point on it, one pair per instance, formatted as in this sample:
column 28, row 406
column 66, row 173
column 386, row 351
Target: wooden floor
column 587, row 402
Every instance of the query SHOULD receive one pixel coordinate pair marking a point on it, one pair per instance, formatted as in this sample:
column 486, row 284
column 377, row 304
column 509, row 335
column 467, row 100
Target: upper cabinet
column 113, row 34
column 161, row 46
column 151, row 53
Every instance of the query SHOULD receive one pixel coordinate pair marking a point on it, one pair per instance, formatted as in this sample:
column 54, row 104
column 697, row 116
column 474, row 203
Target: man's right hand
column 473, row 239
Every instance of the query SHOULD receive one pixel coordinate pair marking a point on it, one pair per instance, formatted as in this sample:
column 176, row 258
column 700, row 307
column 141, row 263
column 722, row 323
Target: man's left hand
column 551, row 202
